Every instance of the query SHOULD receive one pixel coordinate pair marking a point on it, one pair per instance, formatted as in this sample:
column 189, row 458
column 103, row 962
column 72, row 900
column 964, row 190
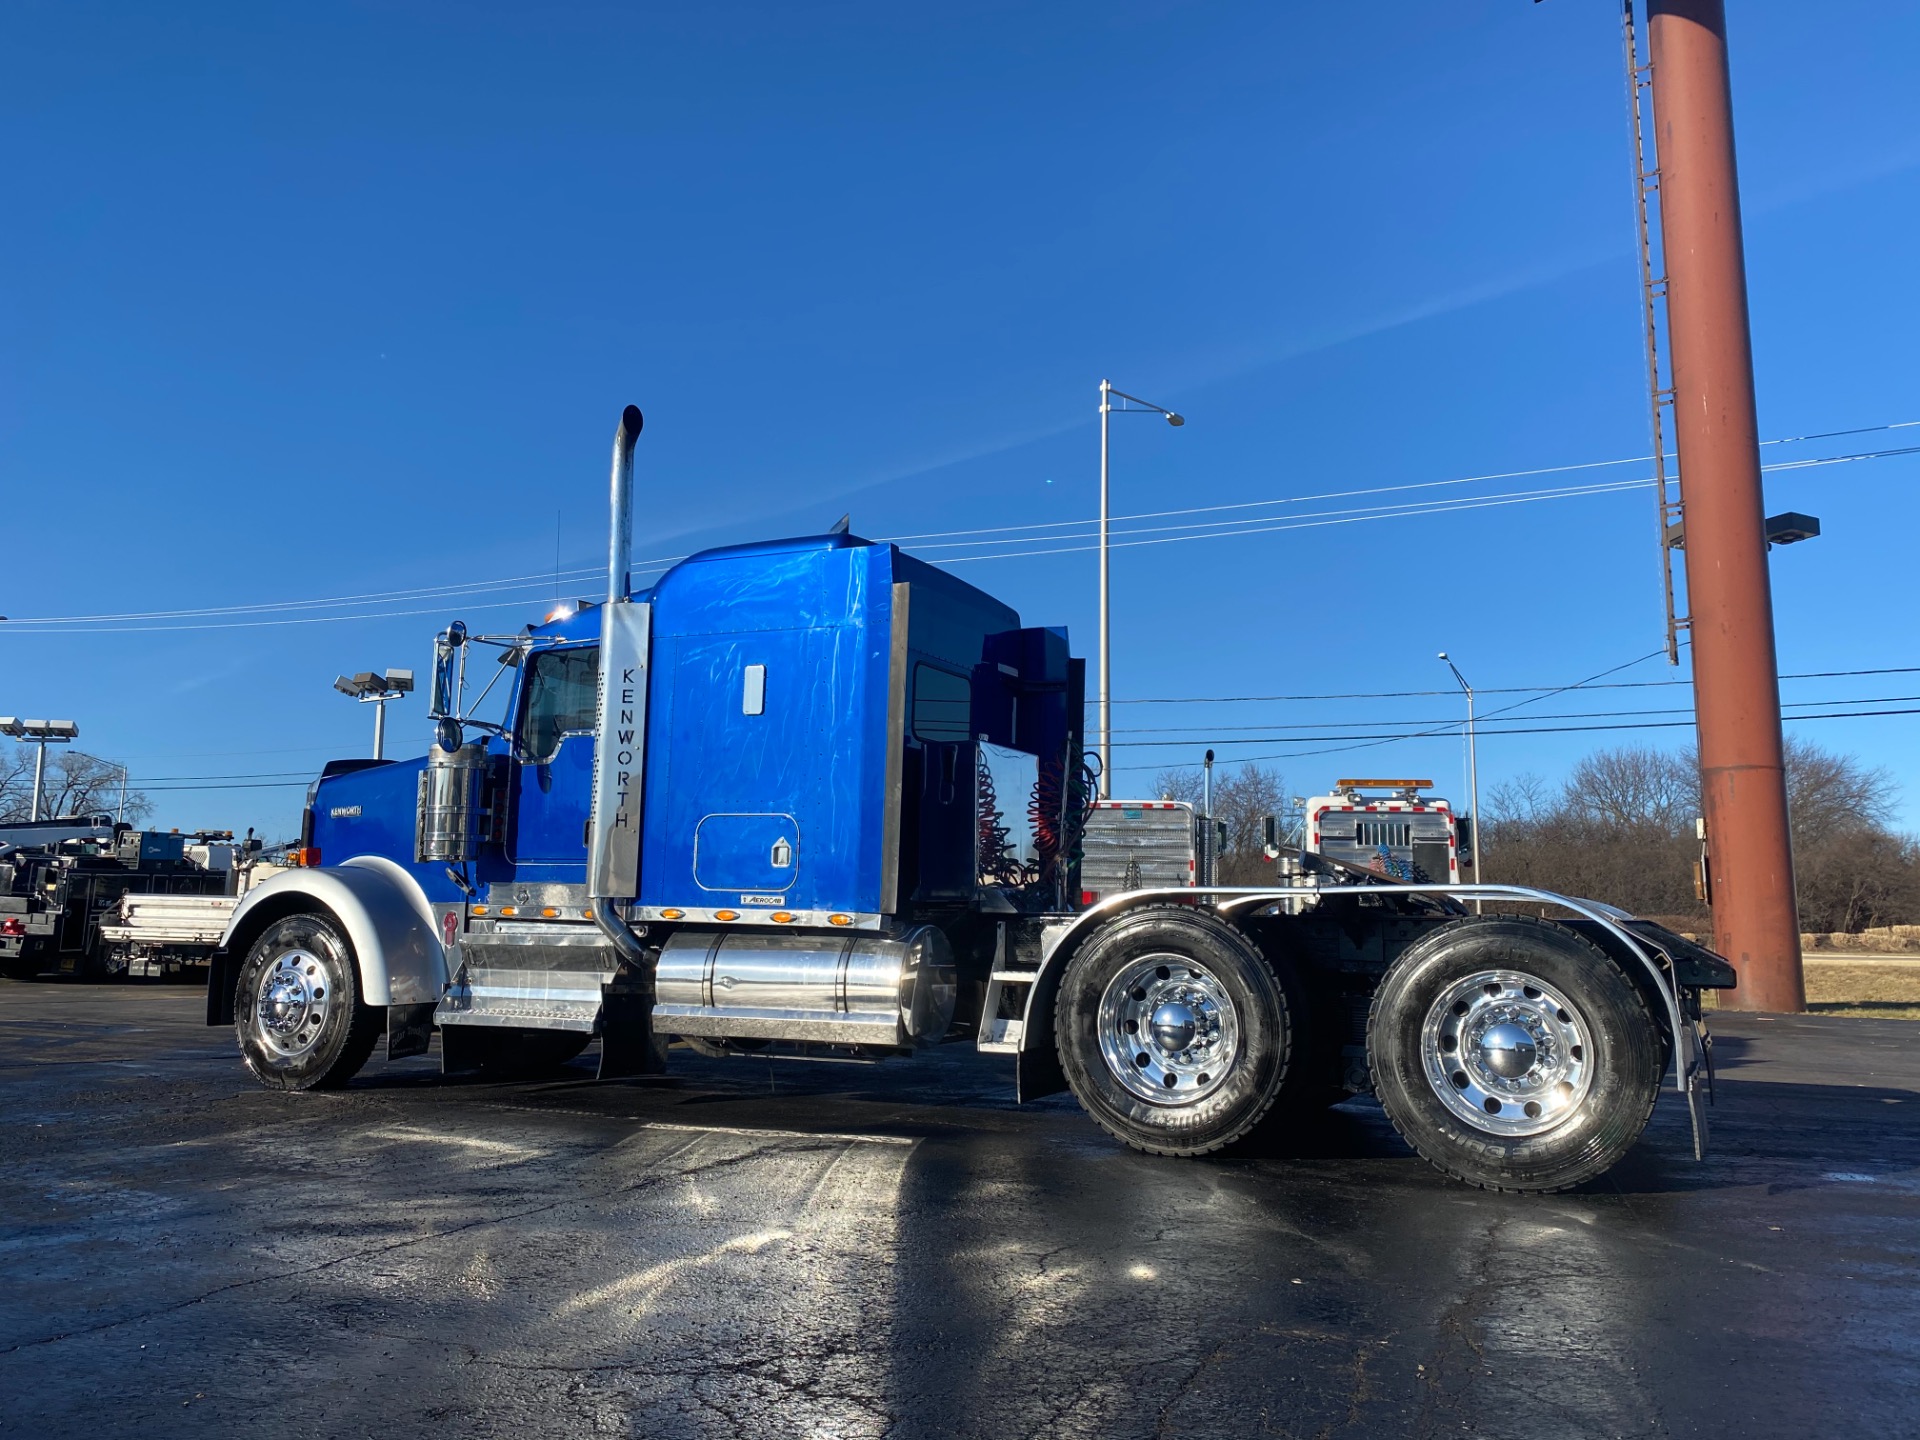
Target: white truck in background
column 157, row 935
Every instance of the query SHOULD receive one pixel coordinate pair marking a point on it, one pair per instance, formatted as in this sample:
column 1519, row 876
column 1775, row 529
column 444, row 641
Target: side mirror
column 1270, row 833
column 449, row 669
column 447, row 735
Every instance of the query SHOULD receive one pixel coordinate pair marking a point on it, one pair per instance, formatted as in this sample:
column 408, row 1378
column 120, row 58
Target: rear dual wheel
column 1176, row 1033
column 1514, row 1054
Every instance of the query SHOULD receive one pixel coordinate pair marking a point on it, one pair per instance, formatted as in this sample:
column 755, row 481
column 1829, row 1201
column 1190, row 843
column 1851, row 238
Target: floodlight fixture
column 377, row 688
column 42, row 733
column 1791, row 527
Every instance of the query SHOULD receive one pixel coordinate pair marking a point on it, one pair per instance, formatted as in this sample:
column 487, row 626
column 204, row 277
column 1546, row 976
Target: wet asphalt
column 791, row 1249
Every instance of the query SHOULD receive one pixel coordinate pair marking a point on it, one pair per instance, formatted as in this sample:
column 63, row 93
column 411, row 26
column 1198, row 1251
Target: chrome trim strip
column 755, row 918
column 894, row 778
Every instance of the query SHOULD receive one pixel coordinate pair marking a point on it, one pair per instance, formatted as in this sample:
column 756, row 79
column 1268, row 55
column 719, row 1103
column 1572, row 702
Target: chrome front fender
column 382, row 909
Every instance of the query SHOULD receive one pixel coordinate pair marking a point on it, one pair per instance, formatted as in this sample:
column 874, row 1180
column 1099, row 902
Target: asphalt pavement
column 789, row 1249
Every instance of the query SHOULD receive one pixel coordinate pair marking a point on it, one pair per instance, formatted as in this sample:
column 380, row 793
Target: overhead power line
column 1541, row 730
column 1273, row 736
column 1490, row 690
column 1197, row 734
column 1029, row 535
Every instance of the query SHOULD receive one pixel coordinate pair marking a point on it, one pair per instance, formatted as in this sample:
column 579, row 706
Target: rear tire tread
column 1438, row 1160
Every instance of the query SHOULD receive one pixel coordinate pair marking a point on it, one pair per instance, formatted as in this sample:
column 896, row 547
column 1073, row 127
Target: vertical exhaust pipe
column 616, row 764
column 620, row 542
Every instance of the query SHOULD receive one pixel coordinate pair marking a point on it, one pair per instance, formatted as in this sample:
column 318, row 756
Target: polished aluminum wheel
column 1168, row 1030
column 292, row 1003
column 1506, row 1053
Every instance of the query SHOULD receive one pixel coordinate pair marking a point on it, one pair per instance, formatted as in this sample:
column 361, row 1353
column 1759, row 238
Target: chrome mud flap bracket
column 1698, row 1081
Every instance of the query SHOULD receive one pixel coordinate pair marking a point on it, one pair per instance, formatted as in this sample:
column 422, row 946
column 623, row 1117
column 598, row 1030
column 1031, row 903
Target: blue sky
column 309, row 302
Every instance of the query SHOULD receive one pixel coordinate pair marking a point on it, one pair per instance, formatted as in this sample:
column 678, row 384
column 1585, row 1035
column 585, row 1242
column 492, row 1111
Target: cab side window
column 563, row 698
column 942, row 705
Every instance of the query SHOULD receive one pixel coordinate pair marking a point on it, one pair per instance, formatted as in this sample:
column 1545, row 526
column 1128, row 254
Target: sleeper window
column 942, row 705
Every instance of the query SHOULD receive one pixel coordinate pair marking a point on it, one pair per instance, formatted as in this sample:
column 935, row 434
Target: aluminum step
column 536, row 977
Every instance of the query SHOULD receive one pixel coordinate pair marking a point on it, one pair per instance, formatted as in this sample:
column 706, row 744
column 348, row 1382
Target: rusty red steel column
column 1730, row 598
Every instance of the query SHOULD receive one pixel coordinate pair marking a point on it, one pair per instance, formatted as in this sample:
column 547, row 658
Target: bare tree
column 1621, row 829
column 1635, row 788
column 76, row 783
column 16, row 784
column 1243, row 797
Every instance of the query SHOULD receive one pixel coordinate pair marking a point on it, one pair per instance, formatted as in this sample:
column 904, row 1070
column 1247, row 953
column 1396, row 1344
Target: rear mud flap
column 409, row 1030
column 628, row 1044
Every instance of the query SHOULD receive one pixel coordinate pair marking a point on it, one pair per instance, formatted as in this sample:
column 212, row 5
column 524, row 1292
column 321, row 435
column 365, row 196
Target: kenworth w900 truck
column 814, row 796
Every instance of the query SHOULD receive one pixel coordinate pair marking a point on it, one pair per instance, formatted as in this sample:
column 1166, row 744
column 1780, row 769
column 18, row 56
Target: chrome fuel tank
column 832, row 989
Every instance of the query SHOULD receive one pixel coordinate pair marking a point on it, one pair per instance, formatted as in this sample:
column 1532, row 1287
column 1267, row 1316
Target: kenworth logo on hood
column 345, row 812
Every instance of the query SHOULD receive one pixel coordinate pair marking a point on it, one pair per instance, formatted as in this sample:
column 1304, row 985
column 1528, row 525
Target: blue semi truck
column 816, row 797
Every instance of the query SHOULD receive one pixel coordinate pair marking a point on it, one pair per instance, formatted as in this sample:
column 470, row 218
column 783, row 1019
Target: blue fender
column 383, row 911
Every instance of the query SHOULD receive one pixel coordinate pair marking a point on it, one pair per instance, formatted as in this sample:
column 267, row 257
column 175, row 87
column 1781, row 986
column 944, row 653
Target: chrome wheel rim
column 292, row 1002
column 1168, row 1030
column 1507, row 1053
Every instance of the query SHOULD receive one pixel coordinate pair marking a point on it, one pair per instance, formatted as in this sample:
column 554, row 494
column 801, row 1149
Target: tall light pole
column 1129, row 405
column 1473, row 778
column 376, row 690
column 45, row 733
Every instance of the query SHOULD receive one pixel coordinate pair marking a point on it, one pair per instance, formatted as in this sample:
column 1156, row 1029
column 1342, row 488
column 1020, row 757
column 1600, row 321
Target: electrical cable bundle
column 997, row 865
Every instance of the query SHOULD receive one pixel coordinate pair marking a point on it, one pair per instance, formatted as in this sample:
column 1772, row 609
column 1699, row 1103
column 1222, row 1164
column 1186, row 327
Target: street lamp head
column 1176, row 420
column 1443, row 654
column 58, row 732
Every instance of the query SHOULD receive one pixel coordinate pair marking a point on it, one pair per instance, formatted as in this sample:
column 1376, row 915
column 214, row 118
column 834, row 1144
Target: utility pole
column 1736, row 677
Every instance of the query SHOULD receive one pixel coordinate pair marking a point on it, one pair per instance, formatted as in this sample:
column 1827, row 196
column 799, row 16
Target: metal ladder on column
column 1653, row 308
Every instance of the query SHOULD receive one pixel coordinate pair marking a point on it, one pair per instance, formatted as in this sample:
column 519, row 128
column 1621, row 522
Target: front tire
column 1175, row 1032
column 1514, row 1054
column 298, row 1014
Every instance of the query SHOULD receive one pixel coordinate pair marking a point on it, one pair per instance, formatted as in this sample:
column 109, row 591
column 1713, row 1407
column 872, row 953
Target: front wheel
column 1514, row 1054
column 1175, row 1032
column 297, row 1009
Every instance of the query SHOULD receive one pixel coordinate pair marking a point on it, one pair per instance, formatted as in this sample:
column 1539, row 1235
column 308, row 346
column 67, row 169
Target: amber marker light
column 726, row 914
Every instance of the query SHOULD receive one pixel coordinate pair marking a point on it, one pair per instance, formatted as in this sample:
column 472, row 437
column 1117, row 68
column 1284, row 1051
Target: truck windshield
column 563, row 698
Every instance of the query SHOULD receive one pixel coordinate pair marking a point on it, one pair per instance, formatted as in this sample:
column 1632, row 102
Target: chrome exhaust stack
column 613, row 853
column 620, row 543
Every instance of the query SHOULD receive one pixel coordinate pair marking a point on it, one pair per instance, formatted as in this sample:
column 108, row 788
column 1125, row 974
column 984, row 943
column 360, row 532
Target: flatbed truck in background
column 816, row 797
column 65, row 886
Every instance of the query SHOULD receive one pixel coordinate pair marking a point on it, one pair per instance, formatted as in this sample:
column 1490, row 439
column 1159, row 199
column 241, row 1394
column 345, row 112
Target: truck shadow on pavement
column 1775, row 1134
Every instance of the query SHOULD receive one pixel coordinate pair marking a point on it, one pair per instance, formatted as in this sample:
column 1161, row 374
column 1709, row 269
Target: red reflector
column 1089, row 897
column 308, row 856
column 12, row 926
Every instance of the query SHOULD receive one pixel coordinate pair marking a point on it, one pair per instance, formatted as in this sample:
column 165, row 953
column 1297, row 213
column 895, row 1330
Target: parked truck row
column 816, row 797
column 87, row 898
